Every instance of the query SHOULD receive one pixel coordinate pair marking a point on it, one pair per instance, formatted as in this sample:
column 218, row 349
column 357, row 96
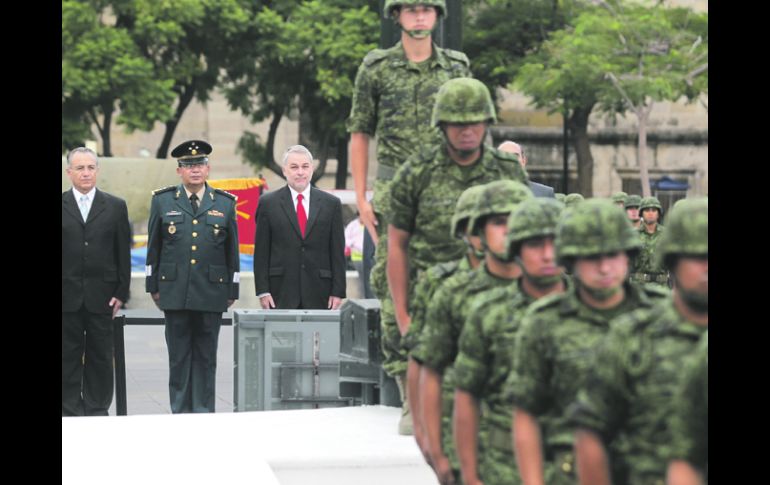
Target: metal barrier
column 135, row 317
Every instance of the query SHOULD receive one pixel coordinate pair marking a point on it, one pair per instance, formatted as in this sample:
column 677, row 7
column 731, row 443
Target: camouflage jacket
column 645, row 262
column 554, row 350
column 425, row 191
column 426, row 287
column 690, row 417
column 628, row 395
column 393, row 98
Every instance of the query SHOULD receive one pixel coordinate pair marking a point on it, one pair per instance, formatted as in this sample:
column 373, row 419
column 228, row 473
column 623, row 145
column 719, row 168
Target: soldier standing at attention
column 556, row 341
column 647, row 268
column 487, row 342
column 623, row 411
column 619, row 199
column 192, row 274
column 393, row 98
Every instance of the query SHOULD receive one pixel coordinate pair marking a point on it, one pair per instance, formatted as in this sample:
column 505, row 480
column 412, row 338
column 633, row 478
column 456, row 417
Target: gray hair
column 296, row 149
column 81, row 150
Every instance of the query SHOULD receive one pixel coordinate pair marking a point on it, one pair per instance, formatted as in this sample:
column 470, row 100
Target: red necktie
column 301, row 216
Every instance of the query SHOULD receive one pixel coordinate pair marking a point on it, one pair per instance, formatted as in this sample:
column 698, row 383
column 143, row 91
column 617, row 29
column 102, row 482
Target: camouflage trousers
column 561, row 469
column 497, row 464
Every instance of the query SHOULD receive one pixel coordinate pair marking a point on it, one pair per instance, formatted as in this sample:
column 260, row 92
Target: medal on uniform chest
column 216, row 231
column 172, row 228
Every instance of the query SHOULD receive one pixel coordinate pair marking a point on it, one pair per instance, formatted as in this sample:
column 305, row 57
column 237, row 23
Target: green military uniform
column 627, row 399
column 422, row 191
column 487, row 343
column 690, row 414
column 393, row 99
column 646, row 268
column 193, row 263
column 437, row 345
column 423, row 294
column 554, row 349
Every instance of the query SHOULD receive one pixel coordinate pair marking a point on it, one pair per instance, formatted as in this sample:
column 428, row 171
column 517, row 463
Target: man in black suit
column 299, row 246
column 95, row 276
column 539, row 190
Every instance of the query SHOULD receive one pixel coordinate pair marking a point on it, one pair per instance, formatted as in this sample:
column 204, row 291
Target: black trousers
column 87, row 374
column 192, row 338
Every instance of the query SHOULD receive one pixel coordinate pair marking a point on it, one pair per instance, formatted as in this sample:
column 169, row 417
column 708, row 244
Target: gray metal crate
column 286, row 359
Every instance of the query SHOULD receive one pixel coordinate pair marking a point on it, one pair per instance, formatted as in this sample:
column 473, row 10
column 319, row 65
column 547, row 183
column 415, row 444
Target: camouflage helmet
column 387, row 10
column 464, row 208
column 535, row 217
column 619, row 197
column 499, row 197
column 559, row 196
column 650, row 203
column 571, row 200
column 687, row 231
column 595, row 226
column 463, row 100
column 633, row 201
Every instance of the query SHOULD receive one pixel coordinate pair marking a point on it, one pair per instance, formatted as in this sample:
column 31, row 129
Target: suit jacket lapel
column 70, row 205
column 98, row 206
column 288, row 207
column 315, row 208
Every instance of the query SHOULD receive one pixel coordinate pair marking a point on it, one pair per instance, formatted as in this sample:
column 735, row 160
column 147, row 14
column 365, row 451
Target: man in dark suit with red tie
column 95, row 276
column 299, row 246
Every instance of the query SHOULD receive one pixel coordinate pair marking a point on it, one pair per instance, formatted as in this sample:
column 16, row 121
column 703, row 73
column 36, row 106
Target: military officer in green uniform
column 625, row 405
column 689, row 450
column 423, row 294
column 485, row 349
column 448, row 311
column 647, row 268
column 192, row 274
column 558, row 335
column 393, row 98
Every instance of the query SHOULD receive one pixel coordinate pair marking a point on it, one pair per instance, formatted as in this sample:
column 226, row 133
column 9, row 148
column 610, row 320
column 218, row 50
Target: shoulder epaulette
column 164, row 189
column 375, row 56
column 457, row 56
column 508, row 156
column 225, row 193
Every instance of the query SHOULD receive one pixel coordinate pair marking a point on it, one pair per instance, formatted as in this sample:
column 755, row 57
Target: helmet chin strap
column 418, row 33
column 463, row 153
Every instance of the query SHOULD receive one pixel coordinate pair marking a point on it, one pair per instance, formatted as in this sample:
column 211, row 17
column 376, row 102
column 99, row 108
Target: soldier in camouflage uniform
column 646, row 267
column 487, row 341
column 558, row 335
column 426, row 186
column 423, row 293
column 448, row 311
column 689, row 450
column 627, row 400
column 619, row 199
column 393, row 98
column 632, row 209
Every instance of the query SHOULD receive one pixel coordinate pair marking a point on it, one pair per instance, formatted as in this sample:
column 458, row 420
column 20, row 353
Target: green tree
column 660, row 54
column 306, row 59
column 102, row 71
column 188, row 43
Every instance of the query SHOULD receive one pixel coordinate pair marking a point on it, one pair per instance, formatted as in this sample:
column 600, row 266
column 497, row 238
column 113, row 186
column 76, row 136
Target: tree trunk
column 578, row 125
column 184, row 101
column 104, row 128
column 271, row 132
column 341, row 179
column 323, row 158
column 643, row 114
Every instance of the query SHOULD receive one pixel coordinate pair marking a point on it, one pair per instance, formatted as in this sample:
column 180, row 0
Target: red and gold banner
column 248, row 191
